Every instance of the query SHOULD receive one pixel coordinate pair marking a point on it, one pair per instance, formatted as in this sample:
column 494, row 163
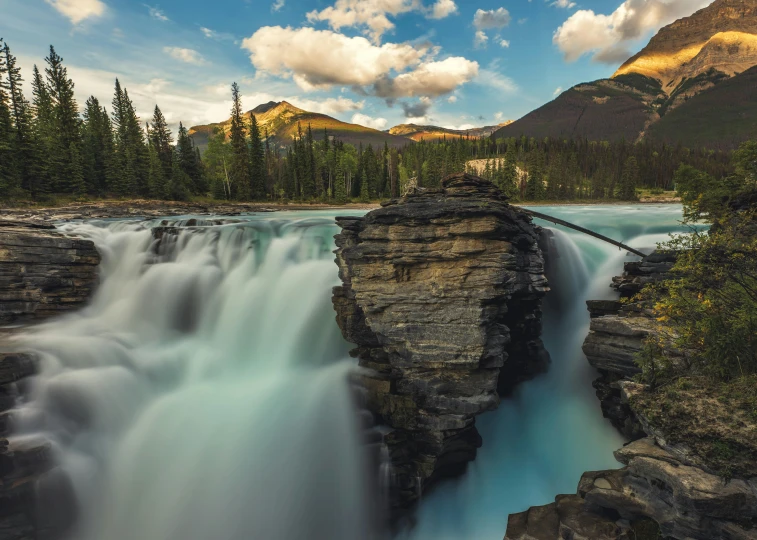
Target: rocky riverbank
column 441, row 293
column 690, row 471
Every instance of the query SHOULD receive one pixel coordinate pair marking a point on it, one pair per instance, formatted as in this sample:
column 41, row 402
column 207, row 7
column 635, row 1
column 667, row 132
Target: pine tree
column 190, row 163
column 132, row 156
column 75, row 181
column 177, row 187
column 43, row 129
column 66, row 122
column 98, row 154
column 8, row 173
column 257, row 161
column 23, row 146
column 156, row 179
column 239, row 169
column 535, row 186
column 365, row 194
column 509, row 178
column 161, row 140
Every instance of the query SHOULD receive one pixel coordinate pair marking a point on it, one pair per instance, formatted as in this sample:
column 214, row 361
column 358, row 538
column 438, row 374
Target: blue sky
column 377, row 62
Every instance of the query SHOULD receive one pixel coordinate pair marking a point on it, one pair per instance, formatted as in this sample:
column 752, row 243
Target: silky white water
column 203, row 394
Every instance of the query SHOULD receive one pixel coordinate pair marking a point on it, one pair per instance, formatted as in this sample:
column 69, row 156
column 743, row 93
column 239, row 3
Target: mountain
column 662, row 92
column 431, row 133
column 281, row 120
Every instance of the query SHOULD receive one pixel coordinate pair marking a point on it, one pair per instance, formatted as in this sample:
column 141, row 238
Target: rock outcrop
column 441, row 294
column 655, row 490
column 43, row 272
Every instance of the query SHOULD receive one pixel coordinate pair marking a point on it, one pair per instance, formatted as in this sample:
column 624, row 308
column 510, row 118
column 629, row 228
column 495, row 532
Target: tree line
column 49, row 147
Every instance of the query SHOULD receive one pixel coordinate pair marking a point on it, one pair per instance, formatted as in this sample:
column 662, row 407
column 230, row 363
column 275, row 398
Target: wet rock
column 651, row 269
column 441, row 293
column 42, row 272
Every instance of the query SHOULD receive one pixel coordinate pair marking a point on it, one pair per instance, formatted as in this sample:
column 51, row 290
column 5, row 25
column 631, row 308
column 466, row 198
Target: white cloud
column 372, row 16
column 429, row 79
column 492, row 18
column 442, row 9
column 190, row 56
column 481, row 39
column 156, row 13
column 277, row 5
column 557, row 91
column 208, row 33
column 493, row 79
column 368, row 121
column 565, row 4
column 504, row 44
column 452, row 99
column 78, row 10
column 499, row 115
column 320, row 58
column 607, row 35
column 461, row 127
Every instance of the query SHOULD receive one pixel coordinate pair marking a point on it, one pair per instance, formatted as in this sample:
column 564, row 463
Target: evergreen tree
column 98, row 153
column 43, row 128
column 535, row 190
column 365, row 194
column 509, row 178
column 161, row 140
column 177, row 186
column 66, row 123
column 629, row 180
column 239, row 168
column 75, row 181
column 190, row 163
column 132, row 157
column 22, row 144
column 8, row 174
column 257, row 161
column 156, row 179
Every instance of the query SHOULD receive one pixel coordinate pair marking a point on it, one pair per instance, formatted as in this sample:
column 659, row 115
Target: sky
column 453, row 63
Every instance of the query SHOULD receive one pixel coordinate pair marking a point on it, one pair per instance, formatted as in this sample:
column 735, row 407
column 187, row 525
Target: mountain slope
column 431, row 133
column 720, row 117
column 281, row 121
column 720, row 36
column 686, row 59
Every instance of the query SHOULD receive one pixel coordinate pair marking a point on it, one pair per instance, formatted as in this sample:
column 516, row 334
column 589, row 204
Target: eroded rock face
column 42, row 272
column 441, row 294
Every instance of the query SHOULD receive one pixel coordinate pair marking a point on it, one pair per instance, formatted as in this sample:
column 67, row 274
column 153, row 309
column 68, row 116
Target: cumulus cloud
column 157, row 13
column 190, row 56
column 452, row 99
column 565, row 4
column 491, row 18
column 277, row 5
column 504, row 44
column 326, row 106
column 78, row 10
column 373, row 15
column 321, row 58
column 442, row 9
column 498, row 116
column 428, row 79
column 557, row 91
column 368, row 121
column 606, row 36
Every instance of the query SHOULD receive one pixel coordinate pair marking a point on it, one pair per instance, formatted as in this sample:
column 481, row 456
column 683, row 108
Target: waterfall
column 539, row 442
column 204, row 393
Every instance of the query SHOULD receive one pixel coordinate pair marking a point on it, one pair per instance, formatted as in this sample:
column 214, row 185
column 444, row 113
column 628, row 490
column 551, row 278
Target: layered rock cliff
column 441, row 293
column 42, row 272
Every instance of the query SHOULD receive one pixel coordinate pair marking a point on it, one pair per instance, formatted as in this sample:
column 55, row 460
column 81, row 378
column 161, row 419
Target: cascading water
column 538, row 443
column 204, row 393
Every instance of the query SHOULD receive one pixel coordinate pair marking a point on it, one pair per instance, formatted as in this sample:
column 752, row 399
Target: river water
column 204, row 393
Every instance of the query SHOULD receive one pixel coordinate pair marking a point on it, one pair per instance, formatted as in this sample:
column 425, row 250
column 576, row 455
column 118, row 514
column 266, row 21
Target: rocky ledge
column 441, row 293
column 42, row 272
column 690, row 472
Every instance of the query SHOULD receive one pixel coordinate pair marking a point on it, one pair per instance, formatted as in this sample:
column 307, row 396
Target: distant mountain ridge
column 427, row 132
column 281, row 119
column 686, row 66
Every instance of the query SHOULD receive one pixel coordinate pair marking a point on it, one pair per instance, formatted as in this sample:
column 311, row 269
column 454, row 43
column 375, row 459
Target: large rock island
column 441, row 293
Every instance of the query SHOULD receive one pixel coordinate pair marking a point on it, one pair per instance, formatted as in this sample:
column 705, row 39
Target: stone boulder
column 441, row 293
